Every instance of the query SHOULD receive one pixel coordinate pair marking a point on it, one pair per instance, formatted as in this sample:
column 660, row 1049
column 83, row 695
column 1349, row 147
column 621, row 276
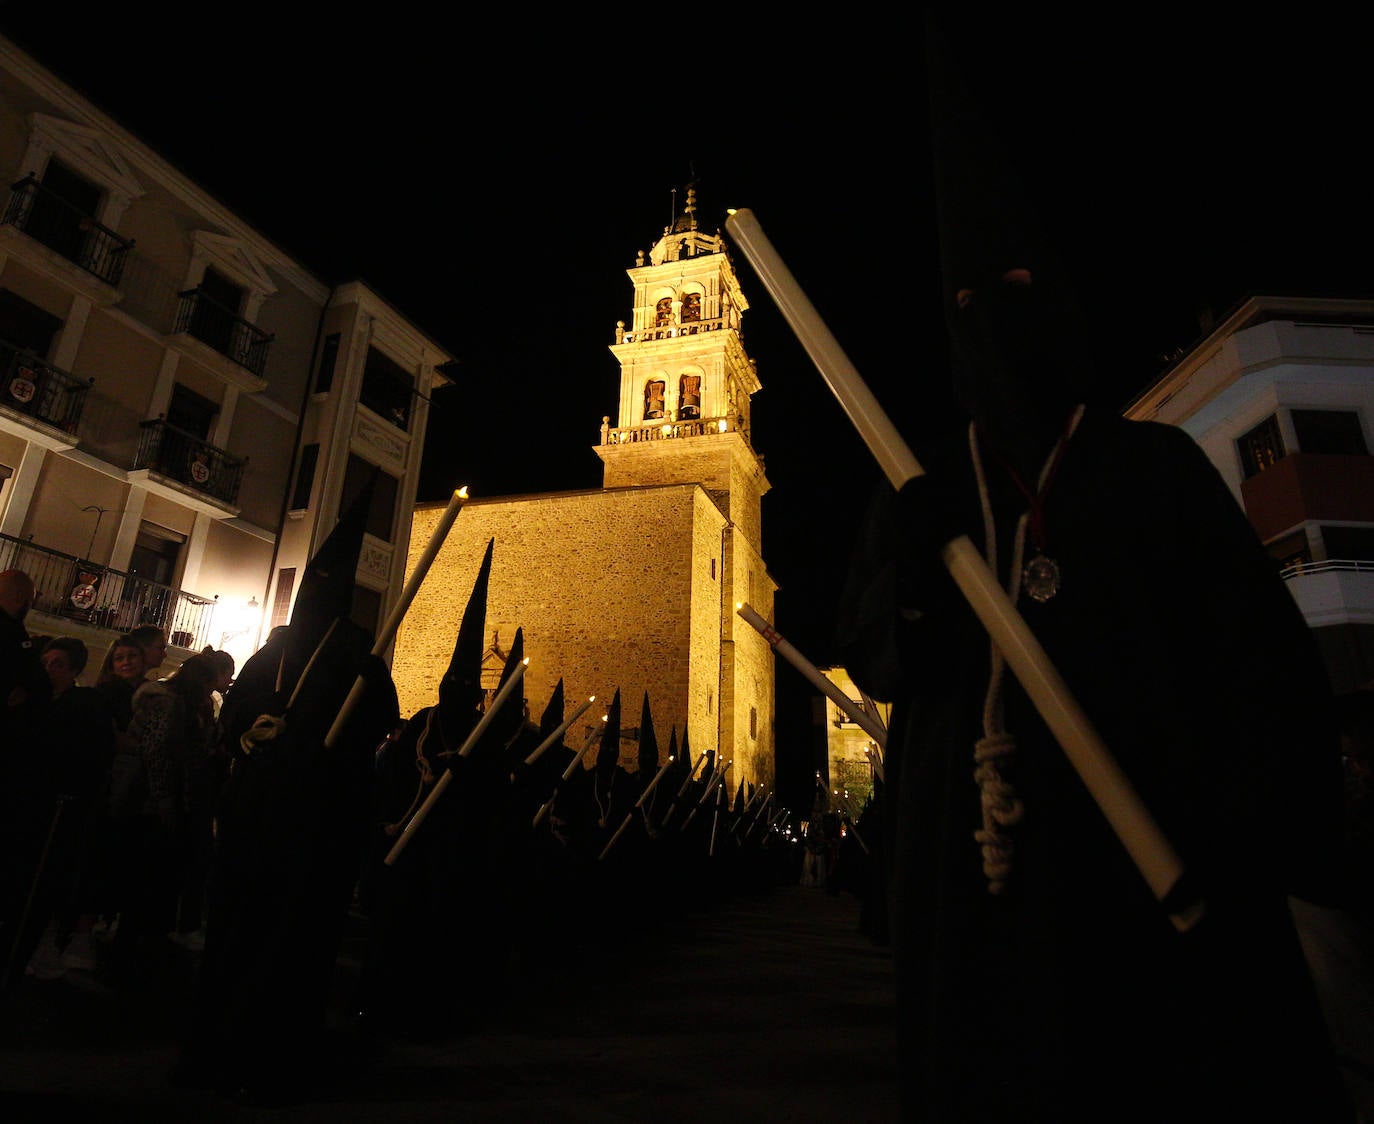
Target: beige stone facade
column 850, row 750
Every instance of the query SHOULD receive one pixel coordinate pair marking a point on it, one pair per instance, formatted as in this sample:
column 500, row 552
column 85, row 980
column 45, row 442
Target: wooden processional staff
column 1108, row 785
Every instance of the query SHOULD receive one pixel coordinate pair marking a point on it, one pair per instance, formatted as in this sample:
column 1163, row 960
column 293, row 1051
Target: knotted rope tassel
column 426, row 775
column 1001, row 808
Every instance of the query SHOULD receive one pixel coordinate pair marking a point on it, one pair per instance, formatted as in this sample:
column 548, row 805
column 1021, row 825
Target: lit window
column 1262, row 447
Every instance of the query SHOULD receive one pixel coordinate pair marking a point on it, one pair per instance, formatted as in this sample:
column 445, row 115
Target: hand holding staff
column 443, row 782
column 870, row 724
column 1108, row 785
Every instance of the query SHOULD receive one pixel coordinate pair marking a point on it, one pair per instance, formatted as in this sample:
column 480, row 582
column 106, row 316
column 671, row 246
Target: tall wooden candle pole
column 717, row 779
column 768, row 803
column 682, row 791
column 507, row 689
column 715, row 821
column 545, row 807
column 638, row 804
column 1108, row 785
column 398, row 611
column 848, row 809
column 538, row 751
column 744, row 812
column 871, row 726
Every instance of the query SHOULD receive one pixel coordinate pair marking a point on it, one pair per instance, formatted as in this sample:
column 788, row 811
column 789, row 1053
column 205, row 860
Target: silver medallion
column 1040, row 578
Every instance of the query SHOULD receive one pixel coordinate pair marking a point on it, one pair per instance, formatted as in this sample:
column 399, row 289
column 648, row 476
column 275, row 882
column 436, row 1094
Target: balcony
column 39, row 391
column 183, row 458
column 670, row 331
column 49, row 219
column 79, row 590
column 203, row 318
column 1309, row 486
column 1336, row 591
column 666, row 430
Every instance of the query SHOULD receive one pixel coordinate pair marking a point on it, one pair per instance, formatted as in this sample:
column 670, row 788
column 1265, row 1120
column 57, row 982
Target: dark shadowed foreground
column 764, row 1006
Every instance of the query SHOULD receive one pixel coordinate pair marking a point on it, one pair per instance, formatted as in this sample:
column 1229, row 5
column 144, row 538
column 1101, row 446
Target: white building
column 1281, row 398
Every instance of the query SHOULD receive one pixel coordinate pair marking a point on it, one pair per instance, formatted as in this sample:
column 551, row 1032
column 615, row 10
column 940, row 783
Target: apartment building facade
column 184, row 407
column 1280, row 395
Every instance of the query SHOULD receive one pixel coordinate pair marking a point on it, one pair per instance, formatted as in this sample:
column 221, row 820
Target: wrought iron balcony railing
column 48, row 218
column 1327, row 566
column 39, row 389
column 200, row 315
column 184, row 457
column 84, row 591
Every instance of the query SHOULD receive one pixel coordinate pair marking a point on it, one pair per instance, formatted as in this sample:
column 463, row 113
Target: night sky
column 495, row 187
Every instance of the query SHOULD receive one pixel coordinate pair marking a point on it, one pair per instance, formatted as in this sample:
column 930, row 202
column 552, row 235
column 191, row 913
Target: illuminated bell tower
column 685, row 388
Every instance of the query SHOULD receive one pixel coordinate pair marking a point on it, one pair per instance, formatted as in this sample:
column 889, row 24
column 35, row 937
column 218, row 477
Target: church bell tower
column 684, row 418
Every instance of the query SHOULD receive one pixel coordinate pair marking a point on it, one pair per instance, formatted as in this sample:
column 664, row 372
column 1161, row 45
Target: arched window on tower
column 691, row 307
column 653, row 399
column 688, row 397
column 663, row 312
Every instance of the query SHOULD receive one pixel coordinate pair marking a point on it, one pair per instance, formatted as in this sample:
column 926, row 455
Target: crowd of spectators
column 108, row 797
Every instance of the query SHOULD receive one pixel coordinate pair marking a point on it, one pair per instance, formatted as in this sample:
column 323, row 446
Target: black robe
column 293, row 820
column 1070, row 995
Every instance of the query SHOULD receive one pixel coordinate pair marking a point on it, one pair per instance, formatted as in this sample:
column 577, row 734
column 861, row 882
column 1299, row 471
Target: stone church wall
column 604, row 584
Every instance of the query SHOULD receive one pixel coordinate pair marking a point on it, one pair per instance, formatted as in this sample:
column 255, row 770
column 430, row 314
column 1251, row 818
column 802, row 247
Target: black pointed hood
column 677, row 771
column 648, row 743
column 553, row 714
column 510, row 719
column 326, row 589
column 608, row 753
column 460, row 690
column 1019, row 344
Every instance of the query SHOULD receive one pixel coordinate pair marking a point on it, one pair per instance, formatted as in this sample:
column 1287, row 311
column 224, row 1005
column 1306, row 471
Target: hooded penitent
column 1038, row 977
column 1019, row 344
column 291, row 822
column 607, row 766
column 460, row 690
column 269, row 677
column 326, row 589
column 507, row 722
column 648, row 744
